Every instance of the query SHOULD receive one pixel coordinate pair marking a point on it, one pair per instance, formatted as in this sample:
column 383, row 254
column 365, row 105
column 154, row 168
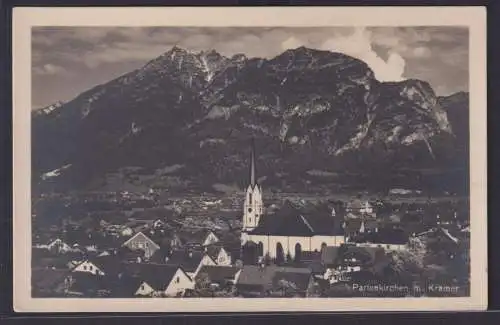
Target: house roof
column 310, row 256
column 252, row 275
column 213, row 251
column 160, row 257
column 140, row 234
column 352, row 225
column 158, row 276
column 47, row 279
column 297, row 280
column 363, row 254
column 186, row 259
column 109, row 264
column 289, row 221
column 385, row 236
column 125, row 286
column 329, row 255
column 199, row 237
column 84, row 281
column 218, row 273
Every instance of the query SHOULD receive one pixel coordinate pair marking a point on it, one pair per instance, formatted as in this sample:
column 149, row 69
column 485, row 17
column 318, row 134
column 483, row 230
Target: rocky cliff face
column 307, row 109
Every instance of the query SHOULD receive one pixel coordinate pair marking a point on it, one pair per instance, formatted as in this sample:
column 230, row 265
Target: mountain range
column 185, row 119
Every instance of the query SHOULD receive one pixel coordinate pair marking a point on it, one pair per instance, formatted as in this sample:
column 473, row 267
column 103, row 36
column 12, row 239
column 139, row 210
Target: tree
column 287, row 288
column 202, row 286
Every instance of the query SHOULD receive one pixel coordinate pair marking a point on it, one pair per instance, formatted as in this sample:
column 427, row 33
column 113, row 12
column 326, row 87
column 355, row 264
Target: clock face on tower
column 249, row 209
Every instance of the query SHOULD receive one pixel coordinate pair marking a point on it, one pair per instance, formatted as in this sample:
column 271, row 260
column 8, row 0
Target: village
column 192, row 256
column 142, row 246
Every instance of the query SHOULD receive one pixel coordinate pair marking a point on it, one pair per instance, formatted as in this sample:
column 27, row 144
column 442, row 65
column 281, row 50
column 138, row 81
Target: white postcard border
column 25, row 18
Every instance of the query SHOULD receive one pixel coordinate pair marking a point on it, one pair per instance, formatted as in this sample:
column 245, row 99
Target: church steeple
column 253, row 207
column 252, row 164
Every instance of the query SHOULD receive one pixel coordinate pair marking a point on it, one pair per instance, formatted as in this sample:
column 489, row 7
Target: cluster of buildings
column 292, row 252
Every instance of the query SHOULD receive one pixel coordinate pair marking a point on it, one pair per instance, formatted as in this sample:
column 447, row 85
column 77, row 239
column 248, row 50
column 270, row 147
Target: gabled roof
column 352, row 225
column 109, row 264
column 289, row 221
column 158, row 276
column 187, row 260
column 159, row 257
column 218, row 273
column 140, row 234
column 199, row 237
column 125, row 286
column 213, row 251
column 84, row 282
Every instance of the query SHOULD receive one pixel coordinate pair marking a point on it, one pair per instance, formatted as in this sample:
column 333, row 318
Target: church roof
column 289, row 221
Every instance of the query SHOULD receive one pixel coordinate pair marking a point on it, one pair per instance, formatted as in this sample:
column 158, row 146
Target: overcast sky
column 69, row 60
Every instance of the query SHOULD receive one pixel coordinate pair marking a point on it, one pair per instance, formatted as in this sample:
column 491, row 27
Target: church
column 288, row 232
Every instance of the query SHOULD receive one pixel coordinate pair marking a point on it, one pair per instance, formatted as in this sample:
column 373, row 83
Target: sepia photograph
column 295, row 161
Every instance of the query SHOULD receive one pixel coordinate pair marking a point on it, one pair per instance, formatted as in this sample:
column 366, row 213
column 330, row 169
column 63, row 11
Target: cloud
column 359, row 45
column 422, row 52
column 291, row 43
column 121, row 53
column 49, row 69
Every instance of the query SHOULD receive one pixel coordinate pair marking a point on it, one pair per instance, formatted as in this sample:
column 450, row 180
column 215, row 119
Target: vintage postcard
column 249, row 159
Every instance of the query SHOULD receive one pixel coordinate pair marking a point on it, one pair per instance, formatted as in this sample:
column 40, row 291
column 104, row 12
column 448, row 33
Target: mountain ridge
column 303, row 106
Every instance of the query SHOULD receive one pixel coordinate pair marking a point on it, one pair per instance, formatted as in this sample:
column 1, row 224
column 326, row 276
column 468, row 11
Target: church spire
column 252, row 164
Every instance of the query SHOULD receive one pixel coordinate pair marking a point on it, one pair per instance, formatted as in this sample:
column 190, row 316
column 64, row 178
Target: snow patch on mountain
column 222, row 112
column 211, row 141
column 55, row 172
column 258, row 128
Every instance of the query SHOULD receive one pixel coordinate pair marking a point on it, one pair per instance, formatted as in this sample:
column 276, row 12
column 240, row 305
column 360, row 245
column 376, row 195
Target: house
column 48, row 282
column 368, row 226
column 103, row 266
column 162, row 280
column 210, row 239
column 125, row 254
column 57, row 246
column 352, row 228
column 219, row 276
column 202, row 238
column 387, row 238
column 341, row 262
column 190, row 261
column 142, row 242
column 219, row 254
column 259, row 281
column 87, row 285
column 88, row 266
column 312, row 260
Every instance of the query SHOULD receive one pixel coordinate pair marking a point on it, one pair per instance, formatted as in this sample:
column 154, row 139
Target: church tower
column 252, row 208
